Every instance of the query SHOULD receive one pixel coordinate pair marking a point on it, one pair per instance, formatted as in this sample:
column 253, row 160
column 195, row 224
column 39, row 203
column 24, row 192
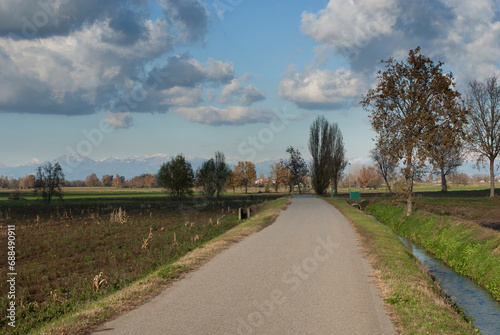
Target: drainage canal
column 475, row 300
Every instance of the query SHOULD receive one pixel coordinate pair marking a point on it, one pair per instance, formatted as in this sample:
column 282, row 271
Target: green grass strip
column 415, row 302
column 468, row 248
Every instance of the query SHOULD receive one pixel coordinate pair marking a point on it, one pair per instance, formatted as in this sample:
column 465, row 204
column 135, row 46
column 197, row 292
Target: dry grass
column 98, row 281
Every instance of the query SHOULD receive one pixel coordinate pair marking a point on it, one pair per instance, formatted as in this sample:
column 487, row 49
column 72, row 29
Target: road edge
column 414, row 301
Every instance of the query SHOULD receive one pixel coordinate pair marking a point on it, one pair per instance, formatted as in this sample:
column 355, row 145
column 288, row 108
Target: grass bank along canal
column 470, row 249
column 475, row 300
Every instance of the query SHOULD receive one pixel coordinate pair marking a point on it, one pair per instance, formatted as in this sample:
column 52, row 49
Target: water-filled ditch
column 475, row 300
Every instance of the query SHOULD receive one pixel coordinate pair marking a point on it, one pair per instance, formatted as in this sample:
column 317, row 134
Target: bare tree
column 446, row 161
column 297, row 167
column 48, row 181
column 137, row 181
column 460, row 179
column 483, row 102
column 445, row 147
column 369, row 178
column 385, row 166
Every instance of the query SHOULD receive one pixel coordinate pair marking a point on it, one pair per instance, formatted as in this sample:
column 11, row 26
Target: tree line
column 215, row 176
column 178, row 177
column 419, row 117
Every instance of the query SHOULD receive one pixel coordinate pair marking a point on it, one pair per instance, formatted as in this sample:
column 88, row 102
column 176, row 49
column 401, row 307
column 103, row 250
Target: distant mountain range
column 76, row 167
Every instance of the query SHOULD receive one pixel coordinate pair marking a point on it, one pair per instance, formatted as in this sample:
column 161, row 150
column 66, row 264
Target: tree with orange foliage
column 244, row 174
column 406, row 108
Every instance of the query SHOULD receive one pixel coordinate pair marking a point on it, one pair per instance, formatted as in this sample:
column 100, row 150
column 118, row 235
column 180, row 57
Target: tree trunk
column 335, row 186
column 409, row 184
column 388, row 186
column 298, row 185
column 409, row 200
column 492, row 178
column 444, row 186
column 409, row 205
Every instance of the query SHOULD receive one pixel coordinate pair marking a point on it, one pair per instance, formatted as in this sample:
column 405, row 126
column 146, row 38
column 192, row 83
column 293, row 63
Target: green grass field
column 79, row 193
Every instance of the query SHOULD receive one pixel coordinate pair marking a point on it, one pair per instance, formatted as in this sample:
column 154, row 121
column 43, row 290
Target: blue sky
column 127, row 78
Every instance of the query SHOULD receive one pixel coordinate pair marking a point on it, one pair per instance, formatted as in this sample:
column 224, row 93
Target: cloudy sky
column 105, row 78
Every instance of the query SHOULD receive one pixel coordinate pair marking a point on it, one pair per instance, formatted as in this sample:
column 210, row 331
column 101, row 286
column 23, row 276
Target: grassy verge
column 470, row 249
column 91, row 313
column 72, row 193
column 415, row 302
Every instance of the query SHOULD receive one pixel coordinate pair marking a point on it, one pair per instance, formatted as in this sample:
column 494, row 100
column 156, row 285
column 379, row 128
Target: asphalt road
column 304, row 274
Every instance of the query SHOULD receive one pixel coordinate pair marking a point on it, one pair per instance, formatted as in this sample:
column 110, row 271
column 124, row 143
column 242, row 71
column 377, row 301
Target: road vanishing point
column 304, row 274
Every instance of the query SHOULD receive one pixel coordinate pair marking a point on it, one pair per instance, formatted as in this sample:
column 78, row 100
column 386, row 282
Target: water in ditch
column 476, row 301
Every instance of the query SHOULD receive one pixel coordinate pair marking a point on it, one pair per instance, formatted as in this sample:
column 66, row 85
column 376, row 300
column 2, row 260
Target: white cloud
column 245, row 95
column 220, row 71
column 320, row 89
column 185, row 71
column 72, row 74
column 346, row 23
column 119, row 120
column 86, row 57
column 232, row 115
column 190, row 16
column 182, row 96
column 464, row 34
column 471, row 43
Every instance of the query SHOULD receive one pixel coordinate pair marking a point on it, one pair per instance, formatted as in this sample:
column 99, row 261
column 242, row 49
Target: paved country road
column 304, row 274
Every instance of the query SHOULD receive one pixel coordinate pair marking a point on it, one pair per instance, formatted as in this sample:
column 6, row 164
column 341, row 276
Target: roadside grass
column 72, row 256
column 467, row 247
column 413, row 299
